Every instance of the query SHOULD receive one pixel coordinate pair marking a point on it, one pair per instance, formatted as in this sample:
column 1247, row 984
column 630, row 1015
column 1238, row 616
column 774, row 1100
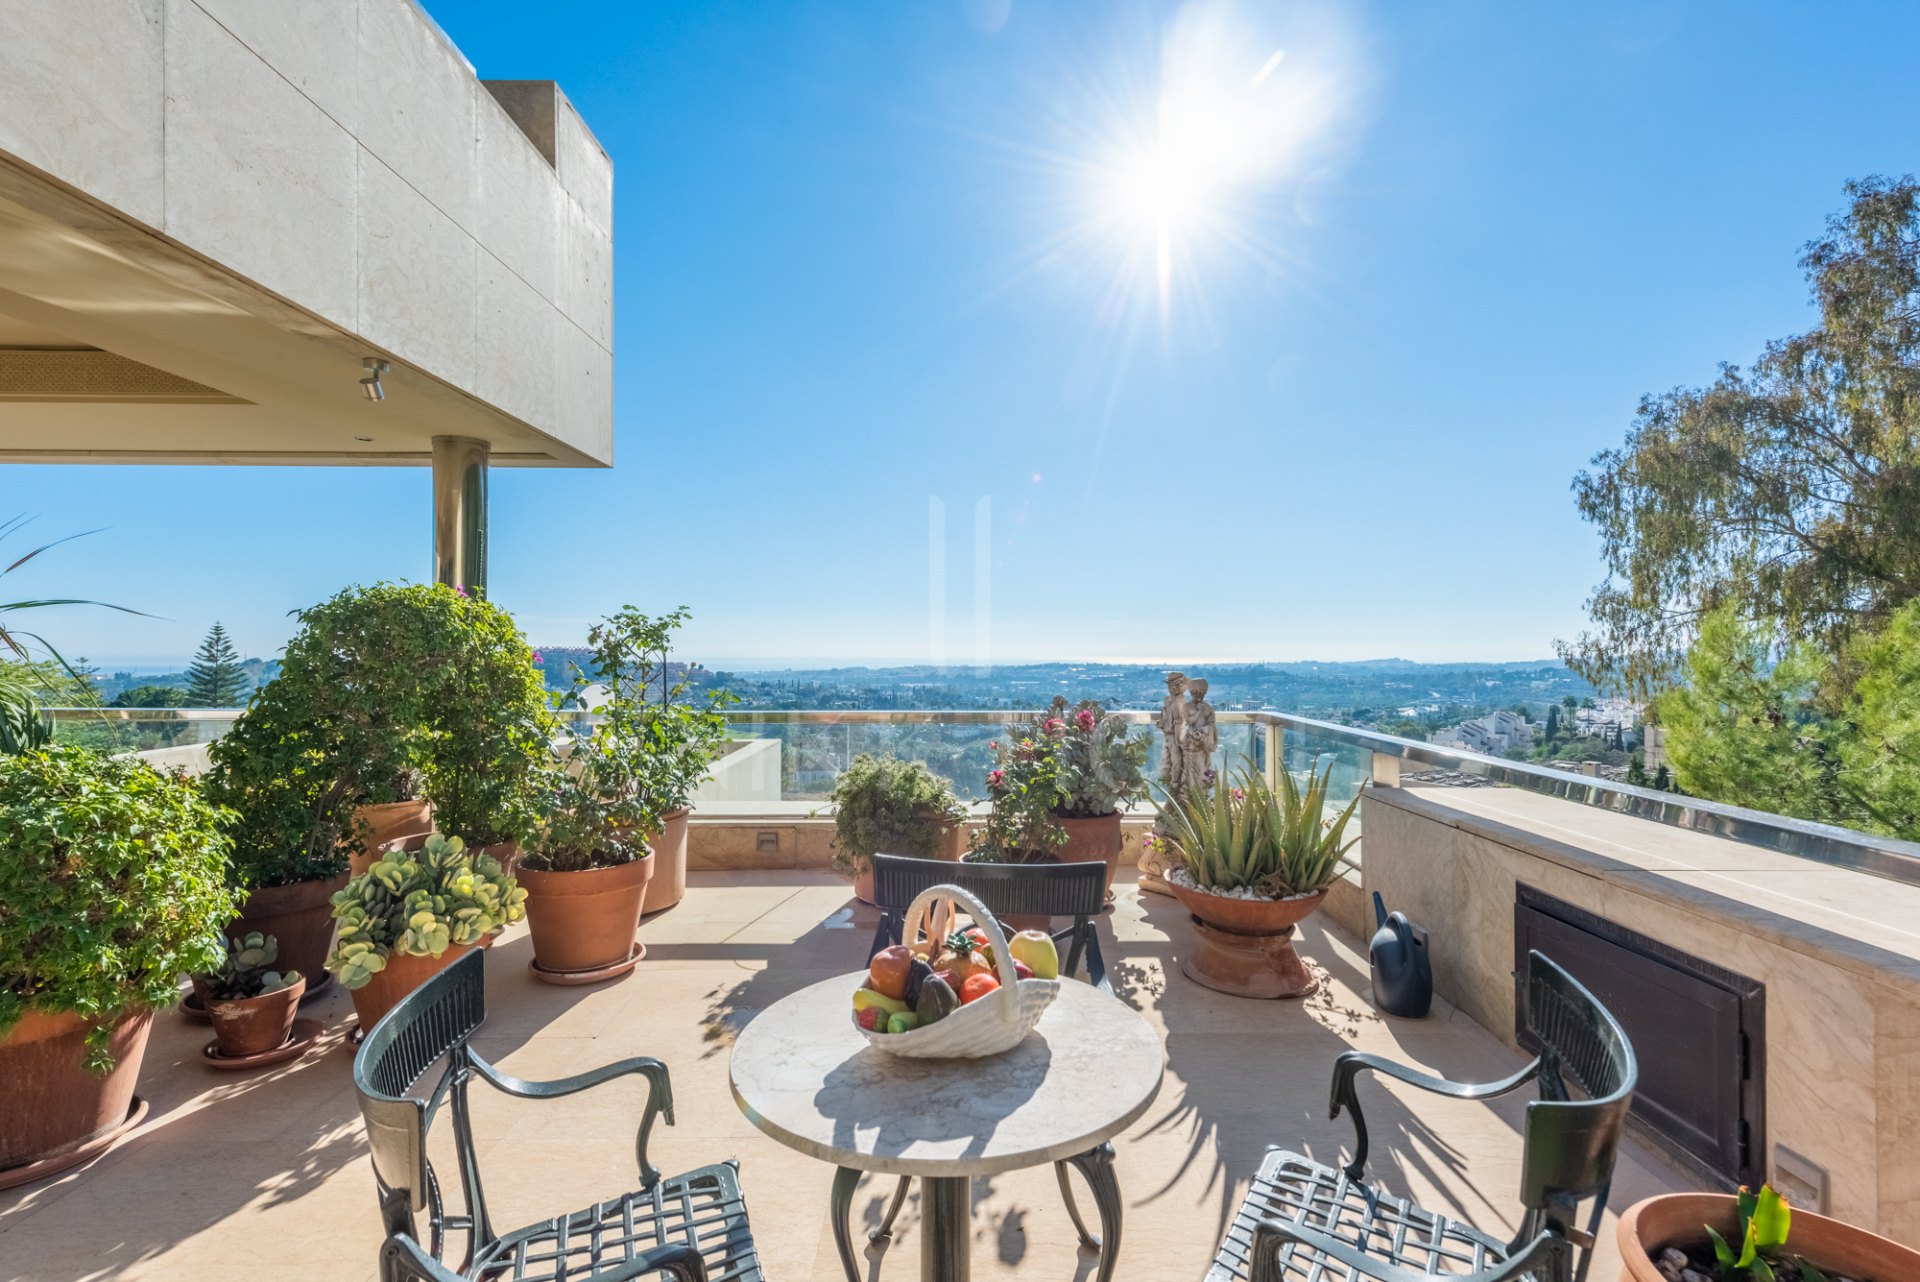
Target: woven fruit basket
column 985, row 1026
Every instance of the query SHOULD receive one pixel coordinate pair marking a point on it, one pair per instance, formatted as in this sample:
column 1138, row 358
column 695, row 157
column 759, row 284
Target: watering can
column 1402, row 971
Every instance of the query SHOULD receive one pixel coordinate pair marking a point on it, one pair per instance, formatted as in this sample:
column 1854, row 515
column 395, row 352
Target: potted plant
column 382, row 688
column 1102, row 770
column 412, row 914
column 250, row 1004
column 1252, row 864
column 372, row 824
column 676, row 729
column 882, row 805
column 1744, row 1237
column 112, row 886
column 1023, row 793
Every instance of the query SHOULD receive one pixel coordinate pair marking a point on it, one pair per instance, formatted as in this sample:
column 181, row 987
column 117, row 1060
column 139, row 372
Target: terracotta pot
column 403, row 974
column 670, row 854
column 1679, row 1220
column 863, row 885
column 1088, row 840
column 389, row 820
column 953, row 838
column 361, row 860
column 299, row 917
column 1245, row 946
column 254, row 1025
column 508, row 853
column 51, row 1103
column 585, row 920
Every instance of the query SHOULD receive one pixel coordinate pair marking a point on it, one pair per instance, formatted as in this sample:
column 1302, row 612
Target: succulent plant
column 1242, row 834
column 244, row 971
column 419, row 904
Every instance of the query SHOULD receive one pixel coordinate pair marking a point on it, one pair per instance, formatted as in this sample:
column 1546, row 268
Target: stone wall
column 1842, row 988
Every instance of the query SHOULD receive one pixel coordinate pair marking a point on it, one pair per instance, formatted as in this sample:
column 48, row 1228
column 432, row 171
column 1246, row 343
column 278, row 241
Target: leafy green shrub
column 419, row 904
column 112, row 886
column 648, row 748
column 882, row 805
column 379, row 683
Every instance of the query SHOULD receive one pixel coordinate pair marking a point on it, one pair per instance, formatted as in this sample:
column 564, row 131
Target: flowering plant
column 1024, row 788
column 1101, row 766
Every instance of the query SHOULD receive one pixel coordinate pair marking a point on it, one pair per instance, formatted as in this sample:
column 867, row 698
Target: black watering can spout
column 1379, row 911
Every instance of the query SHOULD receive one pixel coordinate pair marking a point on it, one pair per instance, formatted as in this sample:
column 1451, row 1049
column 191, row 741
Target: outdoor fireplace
column 1698, row 1029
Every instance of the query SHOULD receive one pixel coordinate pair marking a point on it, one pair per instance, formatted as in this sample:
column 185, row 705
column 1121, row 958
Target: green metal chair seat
column 689, row 1228
column 1304, row 1222
column 1296, row 1190
column 702, row 1209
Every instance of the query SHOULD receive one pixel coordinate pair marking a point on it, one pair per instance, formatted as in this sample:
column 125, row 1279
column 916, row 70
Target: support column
column 460, row 513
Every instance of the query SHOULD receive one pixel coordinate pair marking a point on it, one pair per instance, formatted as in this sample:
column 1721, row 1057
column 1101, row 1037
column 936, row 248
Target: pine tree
column 216, row 677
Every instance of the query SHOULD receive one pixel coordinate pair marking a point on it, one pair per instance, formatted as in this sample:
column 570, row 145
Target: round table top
column 803, row 1074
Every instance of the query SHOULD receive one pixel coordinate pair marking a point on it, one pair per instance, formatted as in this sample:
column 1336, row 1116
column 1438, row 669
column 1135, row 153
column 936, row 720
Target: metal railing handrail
column 1887, row 857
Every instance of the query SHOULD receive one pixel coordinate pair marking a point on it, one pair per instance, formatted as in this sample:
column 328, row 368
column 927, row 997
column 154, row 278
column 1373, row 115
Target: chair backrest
column 1077, row 890
column 1570, row 1143
column 435, row 1018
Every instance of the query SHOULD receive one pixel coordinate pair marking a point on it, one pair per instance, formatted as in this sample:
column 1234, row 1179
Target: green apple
column 1035, row 948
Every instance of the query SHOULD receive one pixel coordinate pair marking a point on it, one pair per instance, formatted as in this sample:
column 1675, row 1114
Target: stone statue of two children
column 1190, row 736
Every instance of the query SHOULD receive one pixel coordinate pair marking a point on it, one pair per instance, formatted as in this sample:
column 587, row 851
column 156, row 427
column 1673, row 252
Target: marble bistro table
column 803, row 1074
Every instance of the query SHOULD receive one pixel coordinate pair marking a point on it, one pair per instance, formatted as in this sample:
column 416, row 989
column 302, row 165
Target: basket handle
column 986, row 921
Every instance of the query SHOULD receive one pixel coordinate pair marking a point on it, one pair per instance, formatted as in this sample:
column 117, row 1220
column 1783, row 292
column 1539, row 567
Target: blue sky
column 1419, row 268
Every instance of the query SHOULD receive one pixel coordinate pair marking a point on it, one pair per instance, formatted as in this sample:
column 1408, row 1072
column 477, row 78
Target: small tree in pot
column 882, row 805
column 1102, row 770
column 671, row 731
column 414, row 913
column 380, row 684
column 112, row 887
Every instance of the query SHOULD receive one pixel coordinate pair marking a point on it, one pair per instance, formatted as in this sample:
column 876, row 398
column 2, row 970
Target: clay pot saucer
column 593, row 974
column 305, row 1033
column 15, row 1176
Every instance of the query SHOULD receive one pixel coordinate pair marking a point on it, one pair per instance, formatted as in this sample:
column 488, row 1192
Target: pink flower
column 996, row 779
column 1053, row 726
column 994, row 744
column 538, row 657
column 460, row 588
column 1087, row 720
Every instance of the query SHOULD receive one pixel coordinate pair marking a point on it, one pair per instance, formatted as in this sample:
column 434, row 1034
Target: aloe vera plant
column 1242, row 834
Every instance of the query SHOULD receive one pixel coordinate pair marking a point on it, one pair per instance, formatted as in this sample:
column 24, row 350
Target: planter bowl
column 670, row 853
column 1245, row 946
column 1095, row 839
column 299, row 917
column 52, row 1106
column 1679, row 1220
column 390, row 820
column 254, row 1025
column 585, row 921
column 402, row 975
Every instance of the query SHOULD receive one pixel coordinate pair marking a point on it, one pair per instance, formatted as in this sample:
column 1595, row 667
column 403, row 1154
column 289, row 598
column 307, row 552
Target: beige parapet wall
column 251, row 197
column 1836, row 950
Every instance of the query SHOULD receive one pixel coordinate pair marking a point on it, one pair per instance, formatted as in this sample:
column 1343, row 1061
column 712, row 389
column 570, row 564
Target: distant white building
column 1606, row 716
column 1495, row 734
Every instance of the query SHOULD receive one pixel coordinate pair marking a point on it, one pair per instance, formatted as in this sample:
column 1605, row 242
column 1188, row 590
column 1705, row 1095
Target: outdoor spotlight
column 371, row 383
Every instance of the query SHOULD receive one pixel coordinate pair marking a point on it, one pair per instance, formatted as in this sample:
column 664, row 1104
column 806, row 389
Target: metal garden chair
column 1075, row 890
column 690, row 1228
column 1304, row 1222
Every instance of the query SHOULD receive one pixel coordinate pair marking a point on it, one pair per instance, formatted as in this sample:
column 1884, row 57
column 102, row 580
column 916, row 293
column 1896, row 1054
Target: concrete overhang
column 212, row 212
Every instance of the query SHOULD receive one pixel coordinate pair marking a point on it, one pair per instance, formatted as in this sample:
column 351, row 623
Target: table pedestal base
column 946, row 1229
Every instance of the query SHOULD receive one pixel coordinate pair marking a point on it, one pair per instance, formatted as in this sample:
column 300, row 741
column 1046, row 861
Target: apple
column 887, row 972
column 1035, row 948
